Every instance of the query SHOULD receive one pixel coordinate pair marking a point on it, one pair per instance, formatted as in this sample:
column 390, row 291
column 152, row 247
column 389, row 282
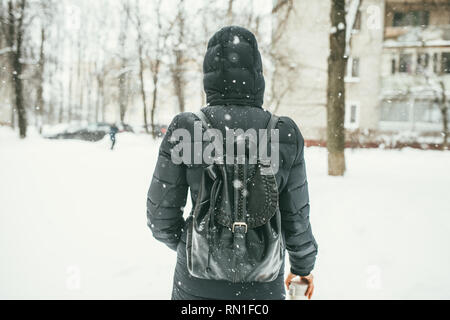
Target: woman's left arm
column 167, row 194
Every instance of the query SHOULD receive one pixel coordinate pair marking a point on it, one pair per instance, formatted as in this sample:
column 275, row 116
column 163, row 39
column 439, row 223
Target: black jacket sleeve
column 294, row 205
column 167, row 194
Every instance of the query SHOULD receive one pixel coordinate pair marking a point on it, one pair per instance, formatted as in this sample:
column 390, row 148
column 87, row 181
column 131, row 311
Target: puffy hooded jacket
column 234, row 86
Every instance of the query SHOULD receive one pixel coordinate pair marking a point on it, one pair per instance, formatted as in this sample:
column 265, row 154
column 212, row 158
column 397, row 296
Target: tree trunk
column 230, row 12
column 102, row 90
column 177, row 68
column 61, row 103
column 122, row 94
column 336, row 91
column 69, row 101
column 177, row 77
column 40, row 90
column 13, row 116
column 155, row 96
column 16, row 37
column 141, row 78
column 99, row 98
column 444, row 113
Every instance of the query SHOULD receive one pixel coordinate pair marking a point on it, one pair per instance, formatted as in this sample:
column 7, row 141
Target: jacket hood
column 232, row 69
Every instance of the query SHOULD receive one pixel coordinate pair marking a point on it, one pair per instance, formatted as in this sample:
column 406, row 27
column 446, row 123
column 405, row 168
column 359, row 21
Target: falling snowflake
column 227, row 117
column 236, row 40
column 237, row 184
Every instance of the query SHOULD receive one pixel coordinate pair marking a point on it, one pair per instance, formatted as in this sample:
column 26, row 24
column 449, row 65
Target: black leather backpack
column 234, row 230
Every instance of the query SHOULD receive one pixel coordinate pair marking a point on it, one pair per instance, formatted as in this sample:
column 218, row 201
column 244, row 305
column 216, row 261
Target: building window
column 422, row 62
column 352, row 71
column 426, row 111
column 411, row 18
column 352, row 115
column 355, row 68
column 445, row 62
column 395, row 110
column 405, row 63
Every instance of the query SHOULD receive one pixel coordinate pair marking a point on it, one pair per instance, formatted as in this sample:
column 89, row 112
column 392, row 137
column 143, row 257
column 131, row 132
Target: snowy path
column 73, row 225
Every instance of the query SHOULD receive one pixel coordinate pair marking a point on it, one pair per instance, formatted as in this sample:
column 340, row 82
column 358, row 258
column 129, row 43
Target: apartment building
column 398, row 68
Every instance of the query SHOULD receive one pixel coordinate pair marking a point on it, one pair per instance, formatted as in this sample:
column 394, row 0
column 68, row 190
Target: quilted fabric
column 232, row 69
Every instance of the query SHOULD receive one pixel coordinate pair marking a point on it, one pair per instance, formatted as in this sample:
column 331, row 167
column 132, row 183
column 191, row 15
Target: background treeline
column 118, row 61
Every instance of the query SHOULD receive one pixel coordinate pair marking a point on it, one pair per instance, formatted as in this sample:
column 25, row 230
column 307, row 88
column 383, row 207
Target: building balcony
column 410, row 36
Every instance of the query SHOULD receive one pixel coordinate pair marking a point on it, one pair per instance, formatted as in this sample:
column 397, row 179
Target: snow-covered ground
column 73, row 224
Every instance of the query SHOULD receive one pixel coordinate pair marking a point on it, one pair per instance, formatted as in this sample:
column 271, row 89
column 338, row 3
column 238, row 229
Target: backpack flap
column 235, row 232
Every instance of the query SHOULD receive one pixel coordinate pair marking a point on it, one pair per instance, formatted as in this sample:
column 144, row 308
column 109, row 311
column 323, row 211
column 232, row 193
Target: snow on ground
column 73, row 224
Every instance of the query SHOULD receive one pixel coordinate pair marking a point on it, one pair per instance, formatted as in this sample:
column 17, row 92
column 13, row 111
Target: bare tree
column 337, row 62
column 5, row 60
column 437, row 86
column 100, row 75
column 280, row 86
column 155, row 60
column 140, row 47
column 15, row 40
column 44, row 10
column 177, row 65
column 136, row 19
column 40, row 90
column 230, row 12
column 123, row 94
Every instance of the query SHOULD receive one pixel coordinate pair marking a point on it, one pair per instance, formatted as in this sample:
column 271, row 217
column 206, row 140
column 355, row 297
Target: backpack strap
column 204, row 119
column 271, row 125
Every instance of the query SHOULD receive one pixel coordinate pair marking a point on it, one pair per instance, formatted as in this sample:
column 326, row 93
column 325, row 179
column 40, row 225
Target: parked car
column 91, row 132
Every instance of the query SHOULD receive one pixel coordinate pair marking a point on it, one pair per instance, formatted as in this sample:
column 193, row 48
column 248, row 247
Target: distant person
column 112, row 135
column 243, row 222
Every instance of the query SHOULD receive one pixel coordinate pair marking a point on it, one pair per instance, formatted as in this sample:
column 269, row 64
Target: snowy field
column 73, row 224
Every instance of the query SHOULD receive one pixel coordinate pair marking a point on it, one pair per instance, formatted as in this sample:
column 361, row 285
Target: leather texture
column 234, row 233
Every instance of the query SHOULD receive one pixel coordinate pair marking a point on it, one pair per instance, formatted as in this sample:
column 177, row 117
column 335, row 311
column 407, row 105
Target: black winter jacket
column 234, row 106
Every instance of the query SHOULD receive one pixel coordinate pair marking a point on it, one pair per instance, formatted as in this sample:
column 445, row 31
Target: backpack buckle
column 239, row 224
column 265, row 162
